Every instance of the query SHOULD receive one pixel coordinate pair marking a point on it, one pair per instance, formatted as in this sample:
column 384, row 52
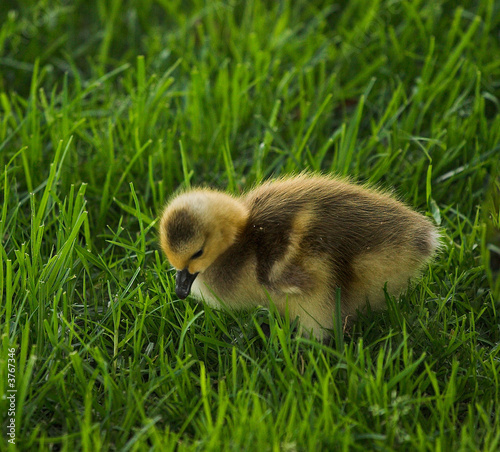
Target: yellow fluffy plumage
column 295, row 240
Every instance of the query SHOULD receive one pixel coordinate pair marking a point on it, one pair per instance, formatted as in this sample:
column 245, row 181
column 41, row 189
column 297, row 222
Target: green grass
column 109, row 107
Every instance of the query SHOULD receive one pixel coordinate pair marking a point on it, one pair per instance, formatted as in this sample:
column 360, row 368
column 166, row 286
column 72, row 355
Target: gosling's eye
column 197, row 254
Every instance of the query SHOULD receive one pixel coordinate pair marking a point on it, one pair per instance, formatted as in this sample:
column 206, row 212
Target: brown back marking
column 346, row 221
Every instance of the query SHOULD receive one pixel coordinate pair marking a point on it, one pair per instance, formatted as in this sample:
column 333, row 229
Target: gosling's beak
column 183, row 282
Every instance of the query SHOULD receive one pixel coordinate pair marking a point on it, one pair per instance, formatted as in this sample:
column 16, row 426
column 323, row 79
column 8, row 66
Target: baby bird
column 295, row 241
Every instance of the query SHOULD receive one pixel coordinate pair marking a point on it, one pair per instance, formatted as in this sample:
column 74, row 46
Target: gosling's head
column 196, row 227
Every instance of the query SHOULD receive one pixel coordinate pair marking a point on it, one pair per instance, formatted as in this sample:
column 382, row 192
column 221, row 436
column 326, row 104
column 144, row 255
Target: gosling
column 295, row 241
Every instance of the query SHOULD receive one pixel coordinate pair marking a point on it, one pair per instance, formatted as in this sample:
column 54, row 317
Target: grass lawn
column 108, row 107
